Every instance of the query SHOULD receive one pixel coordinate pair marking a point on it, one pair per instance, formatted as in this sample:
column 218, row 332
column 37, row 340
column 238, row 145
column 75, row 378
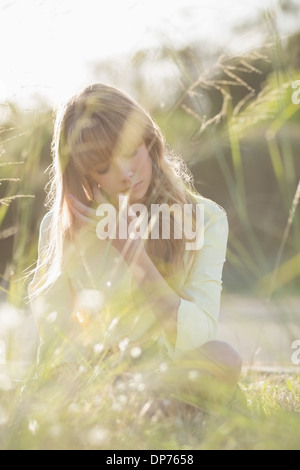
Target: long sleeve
column 52, row 308
column 201, row 293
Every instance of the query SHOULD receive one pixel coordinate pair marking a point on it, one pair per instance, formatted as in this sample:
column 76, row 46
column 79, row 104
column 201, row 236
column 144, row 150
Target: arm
column 189, row 320
column 160, row 297
column 52, row 307
column 199, row 308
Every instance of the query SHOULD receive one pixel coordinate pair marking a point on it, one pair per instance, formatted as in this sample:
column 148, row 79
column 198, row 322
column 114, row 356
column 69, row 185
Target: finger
column 82, row 218
column 85, row 210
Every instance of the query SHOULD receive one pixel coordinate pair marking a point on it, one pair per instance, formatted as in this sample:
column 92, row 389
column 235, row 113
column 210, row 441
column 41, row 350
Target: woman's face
column 128, row 173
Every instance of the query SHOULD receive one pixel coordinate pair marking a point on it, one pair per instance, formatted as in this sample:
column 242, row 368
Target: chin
column 137, row 197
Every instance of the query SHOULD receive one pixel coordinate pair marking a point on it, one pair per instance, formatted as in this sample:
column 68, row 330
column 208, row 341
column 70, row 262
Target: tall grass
column 111, row 401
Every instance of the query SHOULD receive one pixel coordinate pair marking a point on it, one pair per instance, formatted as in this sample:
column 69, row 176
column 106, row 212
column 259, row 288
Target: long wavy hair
column 89, row 129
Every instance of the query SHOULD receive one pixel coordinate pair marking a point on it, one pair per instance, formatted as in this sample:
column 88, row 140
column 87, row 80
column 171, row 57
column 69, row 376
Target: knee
column 225, row 359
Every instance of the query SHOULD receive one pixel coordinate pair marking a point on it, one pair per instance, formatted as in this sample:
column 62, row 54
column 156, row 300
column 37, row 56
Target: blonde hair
column 89, row 129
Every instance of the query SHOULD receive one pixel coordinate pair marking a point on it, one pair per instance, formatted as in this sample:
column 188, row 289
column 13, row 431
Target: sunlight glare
column 5, row 382
column 52, row 317
column 90, row 299
column 10, row 318
column 58, row 42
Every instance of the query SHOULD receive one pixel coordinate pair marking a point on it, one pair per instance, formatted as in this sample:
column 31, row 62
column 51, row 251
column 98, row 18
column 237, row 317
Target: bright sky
column 48, row 46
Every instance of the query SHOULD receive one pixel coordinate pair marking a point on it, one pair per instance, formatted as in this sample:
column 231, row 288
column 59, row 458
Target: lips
column 132, row 188
column 137, row 185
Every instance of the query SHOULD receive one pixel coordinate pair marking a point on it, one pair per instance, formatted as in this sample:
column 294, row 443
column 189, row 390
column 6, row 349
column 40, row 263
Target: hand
column 129, row 248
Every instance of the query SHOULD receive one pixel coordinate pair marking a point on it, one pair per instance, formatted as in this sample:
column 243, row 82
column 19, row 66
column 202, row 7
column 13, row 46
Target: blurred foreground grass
column 90, row 410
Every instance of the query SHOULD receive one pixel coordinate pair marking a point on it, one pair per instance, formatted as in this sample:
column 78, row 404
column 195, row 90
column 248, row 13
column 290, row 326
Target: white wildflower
column 98, row 348
column 123, row 345
column 97, row 436
column 33, row 426
column 136, row 352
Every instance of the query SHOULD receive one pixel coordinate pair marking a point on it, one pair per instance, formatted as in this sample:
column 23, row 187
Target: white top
column 95, row 301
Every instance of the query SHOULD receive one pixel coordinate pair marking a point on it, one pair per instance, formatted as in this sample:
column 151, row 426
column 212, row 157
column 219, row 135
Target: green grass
column 91, row 410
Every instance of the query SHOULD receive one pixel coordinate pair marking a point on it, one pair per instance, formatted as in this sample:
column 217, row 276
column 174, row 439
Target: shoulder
column 215, row 231
column 215, row 236
column 212, row 211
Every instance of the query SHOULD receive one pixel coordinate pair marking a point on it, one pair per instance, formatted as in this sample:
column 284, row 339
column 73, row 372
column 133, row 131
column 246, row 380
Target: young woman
column 142, row 295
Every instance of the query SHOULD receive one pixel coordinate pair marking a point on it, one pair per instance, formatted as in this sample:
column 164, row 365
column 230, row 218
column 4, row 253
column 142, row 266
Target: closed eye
column 102, row 172
column 131, row 155
column 128, row 156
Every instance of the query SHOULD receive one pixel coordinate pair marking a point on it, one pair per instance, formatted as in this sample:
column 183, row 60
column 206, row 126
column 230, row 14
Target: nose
column 125, row 170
